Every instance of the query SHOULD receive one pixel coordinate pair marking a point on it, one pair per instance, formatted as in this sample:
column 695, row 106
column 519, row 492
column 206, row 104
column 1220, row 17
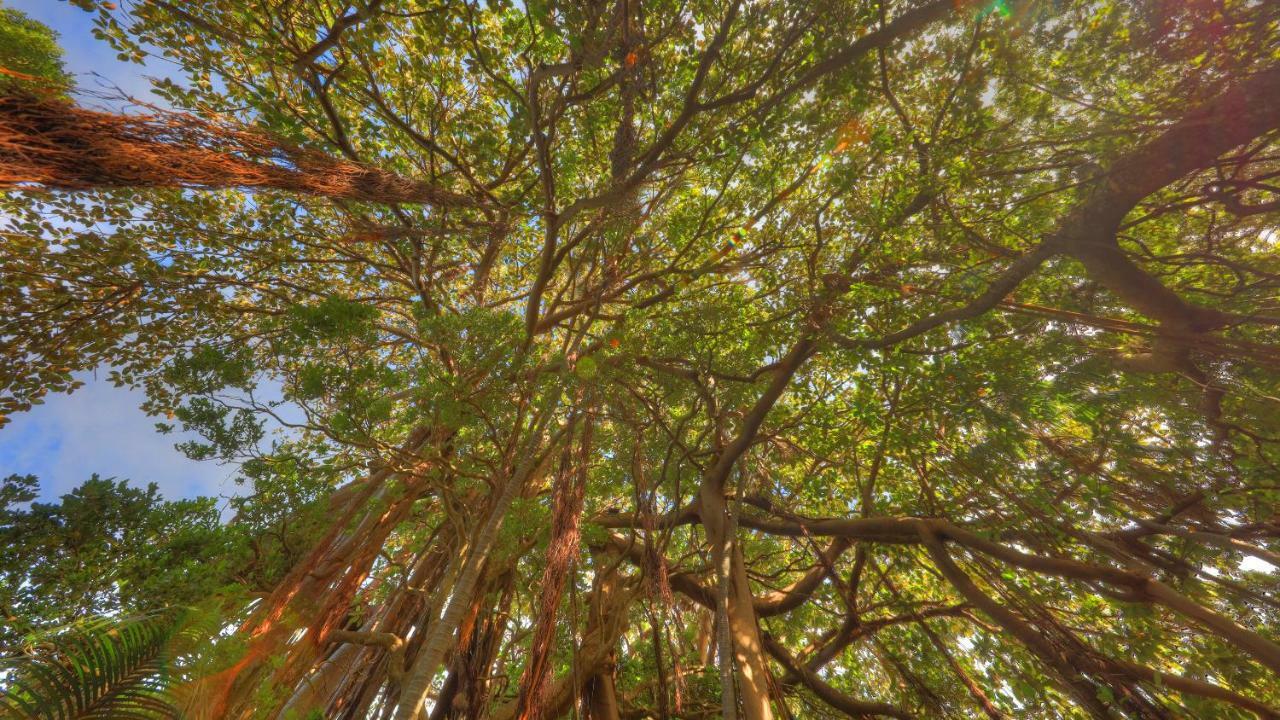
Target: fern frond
column 95, row 669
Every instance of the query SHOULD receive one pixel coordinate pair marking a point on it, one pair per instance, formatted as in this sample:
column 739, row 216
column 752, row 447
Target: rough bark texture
column 54, row 144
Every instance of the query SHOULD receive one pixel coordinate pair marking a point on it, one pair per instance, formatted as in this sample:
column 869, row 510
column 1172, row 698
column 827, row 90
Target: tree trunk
column 602, row 695
column 748, row 652
column 418, row 679
column 562, row 551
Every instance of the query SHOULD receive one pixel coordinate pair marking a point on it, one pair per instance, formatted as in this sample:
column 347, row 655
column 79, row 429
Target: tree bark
column 752, row 672
column 1076, row 685
column 53, row 143
column 419, row 677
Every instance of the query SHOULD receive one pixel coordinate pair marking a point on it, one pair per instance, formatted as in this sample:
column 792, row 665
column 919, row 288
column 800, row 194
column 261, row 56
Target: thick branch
column 54, row 144
column 331, row 38
column 831, row 696
column 1241, row 113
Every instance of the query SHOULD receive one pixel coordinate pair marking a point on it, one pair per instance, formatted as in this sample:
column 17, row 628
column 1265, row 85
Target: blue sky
column 99, row 428
column 92, row 61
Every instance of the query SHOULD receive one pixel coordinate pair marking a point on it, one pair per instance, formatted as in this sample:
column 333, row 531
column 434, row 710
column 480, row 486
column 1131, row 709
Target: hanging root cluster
column 569, row 492
column 52, row 143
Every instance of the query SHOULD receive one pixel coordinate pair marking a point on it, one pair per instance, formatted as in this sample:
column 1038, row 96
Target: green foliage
column 107, row 548
column 29, row 51
column 659, row 220
column 333, row 318
column 96, row 668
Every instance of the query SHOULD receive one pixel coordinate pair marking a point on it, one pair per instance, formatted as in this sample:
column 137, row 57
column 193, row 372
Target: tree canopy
column 105, row 547
column 30, row 57
column 655, row 359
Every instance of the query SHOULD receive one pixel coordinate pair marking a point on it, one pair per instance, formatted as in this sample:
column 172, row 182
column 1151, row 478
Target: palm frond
column 96, row 668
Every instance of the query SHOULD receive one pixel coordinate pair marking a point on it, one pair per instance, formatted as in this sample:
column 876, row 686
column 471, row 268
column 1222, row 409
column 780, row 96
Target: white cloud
column 100, row 429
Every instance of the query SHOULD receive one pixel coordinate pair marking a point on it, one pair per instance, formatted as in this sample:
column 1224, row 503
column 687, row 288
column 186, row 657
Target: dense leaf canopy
column 29, row 54
column 106, row 546
column 903, row 358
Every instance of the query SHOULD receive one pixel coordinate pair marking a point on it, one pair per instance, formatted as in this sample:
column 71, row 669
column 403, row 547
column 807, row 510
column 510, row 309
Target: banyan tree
column 669, row 358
